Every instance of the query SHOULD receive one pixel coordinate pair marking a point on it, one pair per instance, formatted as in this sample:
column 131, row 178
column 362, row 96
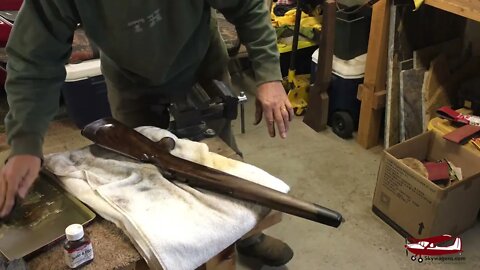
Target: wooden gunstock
column 113, row 135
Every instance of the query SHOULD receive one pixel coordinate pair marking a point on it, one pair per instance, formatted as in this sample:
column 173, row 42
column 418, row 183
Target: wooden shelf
column 467, row 8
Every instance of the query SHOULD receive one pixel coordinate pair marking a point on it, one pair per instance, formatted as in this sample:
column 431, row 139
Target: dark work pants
column 145, row 106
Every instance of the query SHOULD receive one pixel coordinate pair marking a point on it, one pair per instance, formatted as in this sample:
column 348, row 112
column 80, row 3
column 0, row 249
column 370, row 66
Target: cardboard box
column 417, row 207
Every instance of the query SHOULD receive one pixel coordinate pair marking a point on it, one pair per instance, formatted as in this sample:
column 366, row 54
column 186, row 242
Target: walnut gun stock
column 113, row 135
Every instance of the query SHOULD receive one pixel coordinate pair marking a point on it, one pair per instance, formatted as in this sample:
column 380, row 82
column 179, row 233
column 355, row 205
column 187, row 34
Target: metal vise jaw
column 214, row 101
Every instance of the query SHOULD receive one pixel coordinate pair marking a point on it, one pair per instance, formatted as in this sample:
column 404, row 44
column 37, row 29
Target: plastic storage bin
column 85, row 93
column 351, row 33
column 344, row 107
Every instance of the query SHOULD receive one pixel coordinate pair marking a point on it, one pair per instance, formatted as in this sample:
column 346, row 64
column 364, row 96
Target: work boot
column 268, row 250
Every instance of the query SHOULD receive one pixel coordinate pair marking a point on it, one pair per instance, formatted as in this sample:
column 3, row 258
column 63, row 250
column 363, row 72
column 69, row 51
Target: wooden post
column 372, row 92
column 317, row 112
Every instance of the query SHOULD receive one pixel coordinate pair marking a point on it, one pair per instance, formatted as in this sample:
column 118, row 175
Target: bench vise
column 190, row 117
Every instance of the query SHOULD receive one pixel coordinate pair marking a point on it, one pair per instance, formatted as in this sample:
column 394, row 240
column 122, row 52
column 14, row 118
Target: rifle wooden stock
column 113, row 135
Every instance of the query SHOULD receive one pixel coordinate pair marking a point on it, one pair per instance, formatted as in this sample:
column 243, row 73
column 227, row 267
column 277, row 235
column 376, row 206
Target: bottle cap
column 74, row 232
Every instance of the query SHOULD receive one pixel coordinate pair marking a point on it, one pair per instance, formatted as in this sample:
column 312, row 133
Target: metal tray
column 40, row 219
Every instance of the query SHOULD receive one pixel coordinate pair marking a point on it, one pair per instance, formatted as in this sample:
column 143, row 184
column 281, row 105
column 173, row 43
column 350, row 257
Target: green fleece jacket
column 149, row 42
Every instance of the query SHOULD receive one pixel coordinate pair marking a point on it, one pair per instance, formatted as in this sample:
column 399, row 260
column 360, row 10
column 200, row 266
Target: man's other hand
column 16, row 177
column 272, row 103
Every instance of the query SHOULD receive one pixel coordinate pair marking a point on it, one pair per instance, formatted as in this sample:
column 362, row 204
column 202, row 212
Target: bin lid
column 347, row 69
column 83, row 70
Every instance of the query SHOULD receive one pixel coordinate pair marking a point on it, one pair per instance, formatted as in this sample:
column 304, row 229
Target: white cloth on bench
column 172, row 225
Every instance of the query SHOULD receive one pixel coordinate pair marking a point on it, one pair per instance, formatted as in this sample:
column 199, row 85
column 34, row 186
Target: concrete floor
column 341, row 175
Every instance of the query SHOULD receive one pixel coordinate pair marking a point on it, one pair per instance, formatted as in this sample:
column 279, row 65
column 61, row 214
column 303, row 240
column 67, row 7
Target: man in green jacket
column 151, row 50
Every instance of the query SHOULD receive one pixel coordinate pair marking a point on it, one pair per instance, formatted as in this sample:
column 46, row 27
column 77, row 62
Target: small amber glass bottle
column 77, row 248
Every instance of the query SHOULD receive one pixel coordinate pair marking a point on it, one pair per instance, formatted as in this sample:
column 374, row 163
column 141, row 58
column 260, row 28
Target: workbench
column 112, row 248
column 466, row 8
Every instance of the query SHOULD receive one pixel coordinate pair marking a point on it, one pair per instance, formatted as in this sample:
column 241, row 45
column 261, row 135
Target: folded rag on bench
column 172, row 225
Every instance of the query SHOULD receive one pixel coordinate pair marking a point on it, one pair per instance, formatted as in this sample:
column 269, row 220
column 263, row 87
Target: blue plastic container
column 344, row 107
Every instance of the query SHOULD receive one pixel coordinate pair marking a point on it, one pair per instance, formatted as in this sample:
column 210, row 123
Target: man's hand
column 272, row 102
column 16, row 177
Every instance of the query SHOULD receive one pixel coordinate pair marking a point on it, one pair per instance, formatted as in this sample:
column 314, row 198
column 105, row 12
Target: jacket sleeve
column 38, row 48
column 252, row 22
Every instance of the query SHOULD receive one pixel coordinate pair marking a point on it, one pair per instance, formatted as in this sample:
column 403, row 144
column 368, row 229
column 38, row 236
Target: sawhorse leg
column 372, row 92
column 317, row 112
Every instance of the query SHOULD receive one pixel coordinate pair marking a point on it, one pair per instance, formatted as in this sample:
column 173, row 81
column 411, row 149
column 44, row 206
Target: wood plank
column 411, row 82
column 466, row 8
column 375, row 75
column 439, row 99
column 111, row 246
column 225, row 260
column 317, row 111
column 220, row 147
column 274, row 217
column 426, row 79
column 433, row 95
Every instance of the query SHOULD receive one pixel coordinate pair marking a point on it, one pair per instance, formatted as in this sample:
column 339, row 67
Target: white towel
column 171, row 224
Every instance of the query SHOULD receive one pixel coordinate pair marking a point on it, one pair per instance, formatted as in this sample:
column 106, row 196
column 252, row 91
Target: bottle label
column 75, row 258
